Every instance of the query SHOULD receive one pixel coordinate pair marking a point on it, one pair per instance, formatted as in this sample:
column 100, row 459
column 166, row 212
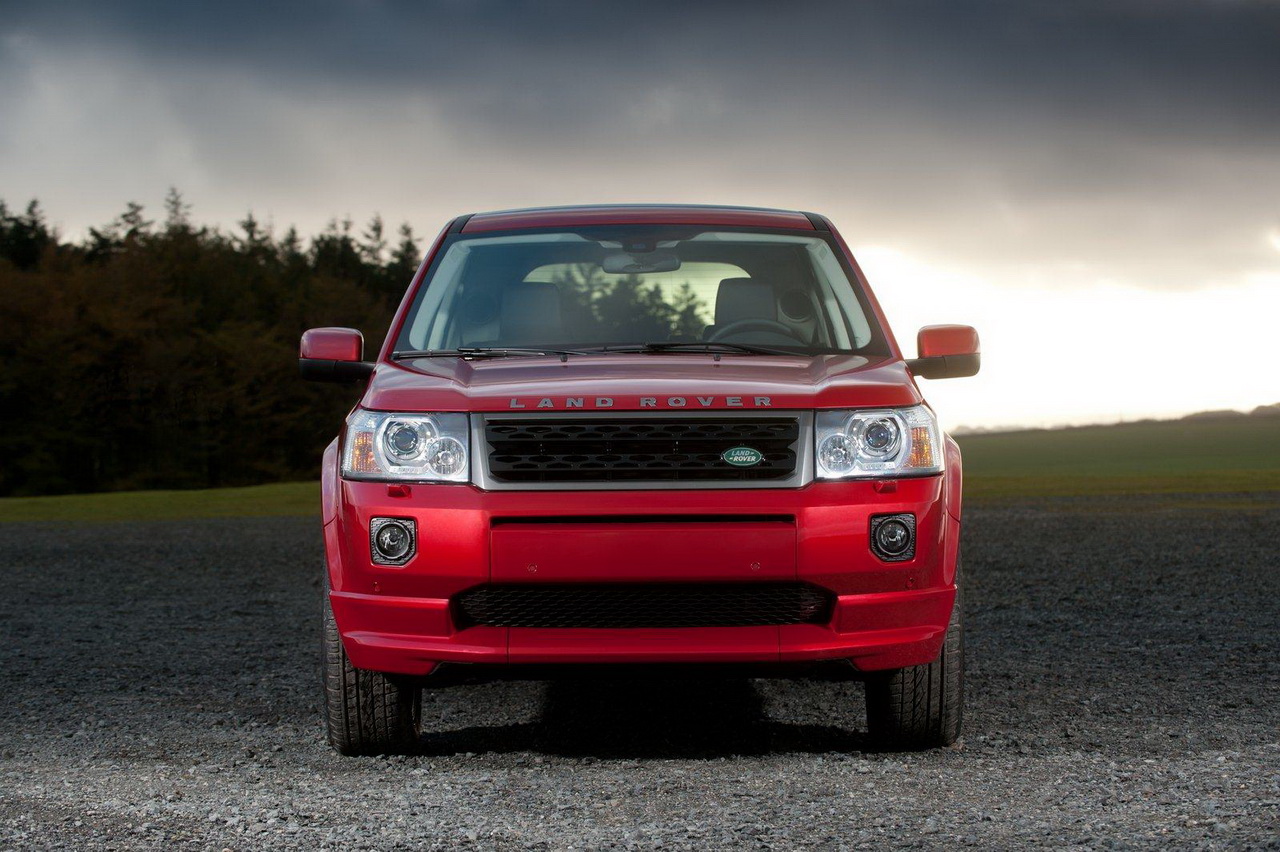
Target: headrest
column 744, row 298
column 531, row 313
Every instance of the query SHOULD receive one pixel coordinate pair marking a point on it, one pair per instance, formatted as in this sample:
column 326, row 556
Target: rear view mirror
column 333, row 355
column 946, row 352
column 622, row 263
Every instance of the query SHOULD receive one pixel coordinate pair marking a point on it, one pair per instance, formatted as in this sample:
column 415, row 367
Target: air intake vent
column 621, row 605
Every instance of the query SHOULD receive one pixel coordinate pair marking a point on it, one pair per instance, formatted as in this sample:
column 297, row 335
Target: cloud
column 1144, row 67
column 1073, row 142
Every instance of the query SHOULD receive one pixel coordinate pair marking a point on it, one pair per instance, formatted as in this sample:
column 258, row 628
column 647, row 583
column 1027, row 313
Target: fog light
column 392, row 540
column 893, row 537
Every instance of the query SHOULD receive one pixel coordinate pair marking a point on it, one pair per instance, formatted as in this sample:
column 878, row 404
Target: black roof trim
column 645, row 206
column 819, row 223
column 456, row 226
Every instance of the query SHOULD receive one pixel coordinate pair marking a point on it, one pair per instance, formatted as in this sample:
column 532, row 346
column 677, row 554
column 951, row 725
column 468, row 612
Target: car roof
column 640, row 214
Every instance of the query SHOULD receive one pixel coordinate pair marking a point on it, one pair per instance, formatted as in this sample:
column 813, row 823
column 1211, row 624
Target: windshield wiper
column 484, row 352
column 715, row 347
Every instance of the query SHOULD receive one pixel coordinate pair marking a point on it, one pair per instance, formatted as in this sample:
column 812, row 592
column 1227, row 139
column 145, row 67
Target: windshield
column 605, row 287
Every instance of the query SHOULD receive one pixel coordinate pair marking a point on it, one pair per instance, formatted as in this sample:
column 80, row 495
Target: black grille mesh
column 650, row 449
column 620, row 605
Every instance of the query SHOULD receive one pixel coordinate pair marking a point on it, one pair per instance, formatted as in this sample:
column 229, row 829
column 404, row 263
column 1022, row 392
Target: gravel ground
column 162, row 689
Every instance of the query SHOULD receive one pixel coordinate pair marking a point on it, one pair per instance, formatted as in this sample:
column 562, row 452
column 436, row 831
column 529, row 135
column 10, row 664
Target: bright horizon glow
column 1100, row 352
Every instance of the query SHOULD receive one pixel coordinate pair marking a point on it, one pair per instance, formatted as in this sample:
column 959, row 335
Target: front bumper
column 400, row 618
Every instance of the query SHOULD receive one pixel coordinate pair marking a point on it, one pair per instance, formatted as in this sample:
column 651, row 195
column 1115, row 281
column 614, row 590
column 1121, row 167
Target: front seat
column 742, row 299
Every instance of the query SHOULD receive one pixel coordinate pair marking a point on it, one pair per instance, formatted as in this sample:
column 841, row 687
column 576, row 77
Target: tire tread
column 366, row 712
column 920, row 707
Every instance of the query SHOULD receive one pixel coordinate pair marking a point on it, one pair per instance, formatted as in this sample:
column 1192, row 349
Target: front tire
column 366, row 712
column 921, row 707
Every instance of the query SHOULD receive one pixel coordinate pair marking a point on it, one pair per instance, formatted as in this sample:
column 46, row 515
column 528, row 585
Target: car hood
column 640, row 382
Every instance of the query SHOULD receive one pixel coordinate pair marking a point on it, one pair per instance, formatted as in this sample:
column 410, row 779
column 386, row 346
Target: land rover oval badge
column 742, row 456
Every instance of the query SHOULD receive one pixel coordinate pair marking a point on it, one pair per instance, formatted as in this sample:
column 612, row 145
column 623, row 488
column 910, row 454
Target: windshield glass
column 599, row 287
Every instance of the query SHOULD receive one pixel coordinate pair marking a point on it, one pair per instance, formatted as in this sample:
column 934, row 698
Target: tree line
column 162, row 354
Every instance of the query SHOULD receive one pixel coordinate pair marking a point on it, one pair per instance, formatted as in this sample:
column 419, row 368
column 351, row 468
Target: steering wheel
column 752, row 325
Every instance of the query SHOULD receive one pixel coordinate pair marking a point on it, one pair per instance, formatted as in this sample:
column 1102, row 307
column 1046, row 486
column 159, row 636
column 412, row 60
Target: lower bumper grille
column 622, row 605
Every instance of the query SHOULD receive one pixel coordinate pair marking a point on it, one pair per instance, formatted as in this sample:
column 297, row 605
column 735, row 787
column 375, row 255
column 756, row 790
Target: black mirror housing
column 945, row 366
column 326, row 370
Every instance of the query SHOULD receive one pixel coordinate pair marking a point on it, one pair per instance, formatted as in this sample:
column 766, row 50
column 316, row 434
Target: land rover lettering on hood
column 671, row 436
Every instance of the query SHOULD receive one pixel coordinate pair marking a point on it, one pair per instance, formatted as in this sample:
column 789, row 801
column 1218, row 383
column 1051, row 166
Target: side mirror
column 333, row 355
column 946, row 352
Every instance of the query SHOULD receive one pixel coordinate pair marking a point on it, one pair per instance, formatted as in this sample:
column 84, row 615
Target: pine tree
column 24, row 238
column 133, row 223
column 176, row 348
column 177, row 212
column 404, row 259
column 374, row 242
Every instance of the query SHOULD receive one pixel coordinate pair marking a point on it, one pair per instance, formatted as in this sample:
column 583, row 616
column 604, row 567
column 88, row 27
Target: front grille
column 639, row 449
column 621, row 605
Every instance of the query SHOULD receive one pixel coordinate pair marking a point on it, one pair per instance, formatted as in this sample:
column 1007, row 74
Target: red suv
column 634, row 435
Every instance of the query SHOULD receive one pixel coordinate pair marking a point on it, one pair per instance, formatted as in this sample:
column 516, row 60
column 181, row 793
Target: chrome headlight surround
column 386, row 446
column 881, row 442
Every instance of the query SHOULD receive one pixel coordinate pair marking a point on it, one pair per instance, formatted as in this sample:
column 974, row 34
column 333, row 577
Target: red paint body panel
column 566, row 217
column 330, row 493
column 885, row 614
column 955, row 478
column 332, row 344
column 656, row 551
column 461, row 546
column 690, row 645
column 935, row 340
column 683, row 382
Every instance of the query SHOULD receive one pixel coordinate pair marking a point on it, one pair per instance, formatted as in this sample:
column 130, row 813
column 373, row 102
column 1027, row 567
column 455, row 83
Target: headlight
column 417, row 447
column 881, row 442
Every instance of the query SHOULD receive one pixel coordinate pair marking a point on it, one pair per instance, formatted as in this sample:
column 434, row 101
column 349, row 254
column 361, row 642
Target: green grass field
column 286, row 498
column 1201, row 457
column 1162, row 457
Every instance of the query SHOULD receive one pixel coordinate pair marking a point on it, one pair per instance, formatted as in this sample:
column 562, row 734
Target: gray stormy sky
column 1135, row 140
column 1091, row 183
